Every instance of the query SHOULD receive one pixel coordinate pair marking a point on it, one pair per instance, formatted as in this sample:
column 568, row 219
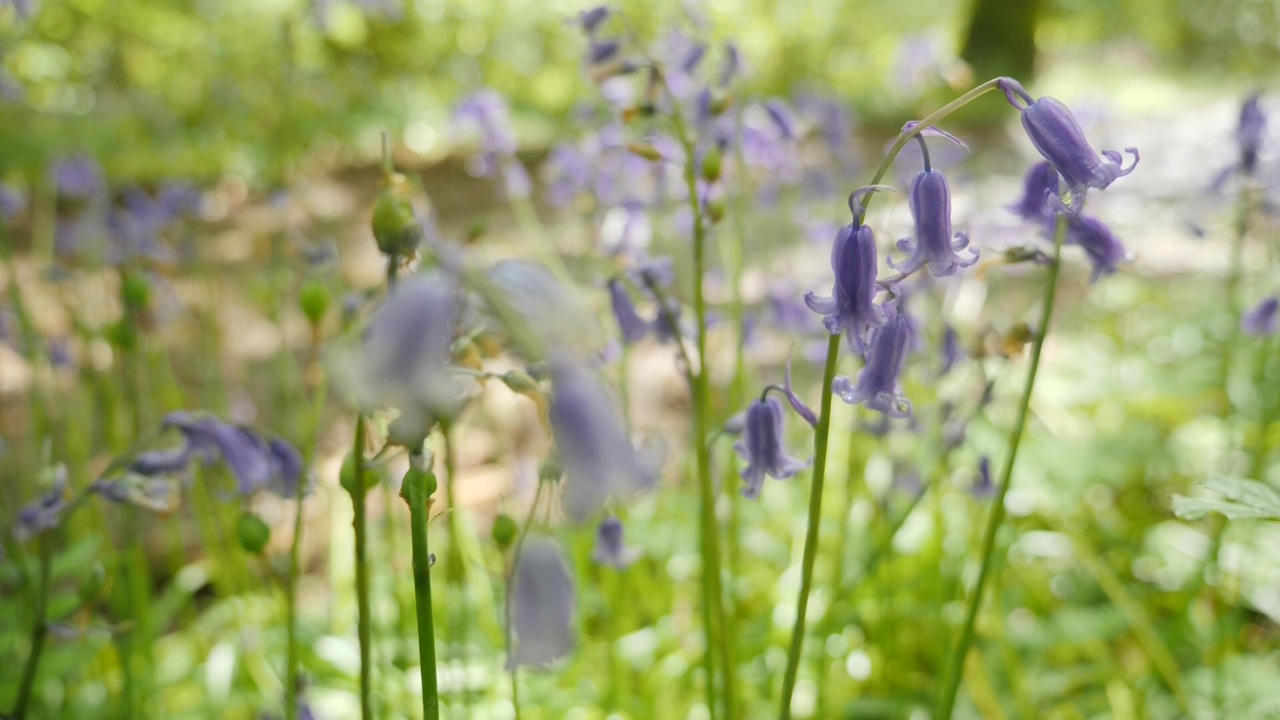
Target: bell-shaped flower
column 157, row 494
column 256, row 462
column 930, row 201
column 1103, row 249
column 632, row 325
column 877, row 386
column 851, row 309
column 1058, row 137
column 1250, row 133
column 45, row 512
column 600, row 463
column 983, row 487
column 1040, row 182
column 542, row 606
column 1261, row 319
column 761, row 446
column 611, row 549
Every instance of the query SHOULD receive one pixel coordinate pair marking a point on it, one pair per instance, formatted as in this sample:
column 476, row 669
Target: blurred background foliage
column 202, row 89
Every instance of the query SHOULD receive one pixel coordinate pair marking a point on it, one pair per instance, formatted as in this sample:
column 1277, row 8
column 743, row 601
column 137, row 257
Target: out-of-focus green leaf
column 1235, row 498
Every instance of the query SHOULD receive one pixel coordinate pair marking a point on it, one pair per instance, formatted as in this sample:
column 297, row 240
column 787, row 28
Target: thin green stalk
column 456, row 568
column 358, row 492
column 712, row 596
column 418, row 487
column 955, row 668
column 824, row 419
column 39, row 631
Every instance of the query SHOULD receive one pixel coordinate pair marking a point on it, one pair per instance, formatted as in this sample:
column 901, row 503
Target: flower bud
column 252, row 533
column 504, row 530
column 396, row 226
column 314, row 299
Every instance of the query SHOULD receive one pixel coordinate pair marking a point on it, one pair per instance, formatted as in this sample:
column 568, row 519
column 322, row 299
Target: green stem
column 823, row 429
column 712, row 598
column 456, row 568
column 955, row 669
column 358, row 492
column 417, row 490
column 811, row 532
column 39, row 631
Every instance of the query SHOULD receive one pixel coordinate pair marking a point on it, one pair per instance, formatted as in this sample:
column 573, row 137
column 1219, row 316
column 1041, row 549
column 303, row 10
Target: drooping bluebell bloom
column 852, row 309
column 157, row 494
column 1058, row 137
column 45, row 512
column 1040, row 182
column 599, row 460
column 877, row 386
column 611, row 549
column 983, row 488
column 542, row 606
column 761, row 446
column 12, row 201
column 256, row 462
column 930, row 202
column 591, row 20
column 1261, row 319
column 78, row 178
column 554, row 313
column 632, row 325
column 1103, row 249
column 1250, row 133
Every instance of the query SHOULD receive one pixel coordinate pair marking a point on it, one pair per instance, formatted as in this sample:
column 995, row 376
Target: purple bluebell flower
column 632, row 325
column 731, row 68
column 851, row 309
column 157, row 494
column 44, row 513
column 877, row 387
column 1040, row 182
column 1251, row 132
column 256, row 462
column 930, row 202
column 542, row 606
column 1101, row 246
column 983, row 488
column 78, row 178
column 786, row 311
column 1058, row 137
column 591, row 20
column 761, row 446
column 1261, row 319
column 406, row 348
column 782, row 118
column 611, row 549
column 600, row 463
column 12, row 202
column 554, row 313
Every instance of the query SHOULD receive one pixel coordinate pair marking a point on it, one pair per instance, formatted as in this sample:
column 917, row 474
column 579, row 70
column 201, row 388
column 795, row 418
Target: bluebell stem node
column 46, row 512
column 1261, row 320
column 1058, row 137
column 1101, row 246
column 598, row 458
column 877, row 386
column 1040, row 182
column 542, row 606
column 851, row 309
column 761, row 447
column 930, row 202
column 633, row 327
column 611, row 549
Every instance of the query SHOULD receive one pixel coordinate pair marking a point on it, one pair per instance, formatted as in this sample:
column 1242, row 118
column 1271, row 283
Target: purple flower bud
column 930, row 201
column 157, row 494
column 170, row 461
column 983, row 488
column 45, row 512
column 731, row 69
column 1261, row 320
column 591, row 20
column 599, row 460
column 633, row 326
column 1040, row 182
column 78, row 178
column 610, row 548
column 602, row 51
column 1251, row 132
column 542, row 606
column 761, row 446
column 851, row 309
column 256, row 463
column 877, row 386
column 1058, row 137
column 782, row 119
column 1104, row 250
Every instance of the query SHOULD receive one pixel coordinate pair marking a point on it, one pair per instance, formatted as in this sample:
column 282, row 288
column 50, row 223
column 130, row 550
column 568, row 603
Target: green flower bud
column 252, row 533
column 135, row 291
column 314, row 299
column 395, row 224
column 347, row 475
column 504, row 530
column 711, row 164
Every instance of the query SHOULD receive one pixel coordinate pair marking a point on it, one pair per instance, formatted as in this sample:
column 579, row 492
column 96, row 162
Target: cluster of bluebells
column 485, row 116
column 869, row 310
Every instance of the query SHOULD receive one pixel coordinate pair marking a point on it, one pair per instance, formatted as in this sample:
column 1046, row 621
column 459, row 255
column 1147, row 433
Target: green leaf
column 1236, row 498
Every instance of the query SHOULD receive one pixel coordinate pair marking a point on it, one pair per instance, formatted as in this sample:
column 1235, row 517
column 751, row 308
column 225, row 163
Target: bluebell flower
column 761, row 447
column 485, row 114
column 12, row 202
column 632, row 325
column 951, row 353
column 591, row 20
column 1040, row 182
column 157, row 494
column 877, row 386
column 1251, row 132
column 1101, row 246
column 78, row 178
column 851, row 309
column 542, row 606
column 257, row 463
column 930, row 202
column 600, row 463
column 983, row 488
column 1058, row 137
column 45, row 513
column 556, row 314
column 1261, row 319
column 611, row 549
